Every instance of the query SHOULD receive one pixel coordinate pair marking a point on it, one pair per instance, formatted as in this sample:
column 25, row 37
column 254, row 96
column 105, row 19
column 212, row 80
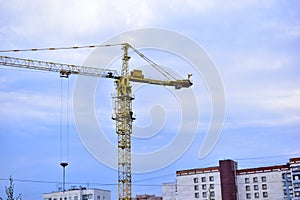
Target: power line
column 265, row 157
column 113, row 184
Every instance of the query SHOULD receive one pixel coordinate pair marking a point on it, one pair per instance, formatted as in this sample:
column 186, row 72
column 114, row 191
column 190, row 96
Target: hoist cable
column 61, row 119
column 64, row 119
column 68, row 89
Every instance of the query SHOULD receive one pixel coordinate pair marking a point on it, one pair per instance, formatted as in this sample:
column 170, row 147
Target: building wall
column 281, row 182
column 295, row 177
column 199, row 186
column 147, row 197
column 267, row 185
column 169, row 191
column 228, row 170
column 79, row 194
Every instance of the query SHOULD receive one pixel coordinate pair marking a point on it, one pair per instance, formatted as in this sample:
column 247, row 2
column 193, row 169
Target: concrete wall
column 199, row 186
column 270, row 183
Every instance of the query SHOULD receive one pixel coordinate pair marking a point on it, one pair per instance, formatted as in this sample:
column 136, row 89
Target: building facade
column 261, row 183
column 147, row 197
column 79, row 194
column 226, row 182
column 169, row 191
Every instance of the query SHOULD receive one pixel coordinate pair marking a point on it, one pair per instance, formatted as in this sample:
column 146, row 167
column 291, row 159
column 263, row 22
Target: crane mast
column 124, row 118
column 123, row 114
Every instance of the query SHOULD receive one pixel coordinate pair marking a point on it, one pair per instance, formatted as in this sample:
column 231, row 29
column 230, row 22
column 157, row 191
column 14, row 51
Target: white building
column 79, row 194
column 261, row 183
column 205, row 183
column 169, row 191
column 226, row 182
column 292, row 179
column 199, row 184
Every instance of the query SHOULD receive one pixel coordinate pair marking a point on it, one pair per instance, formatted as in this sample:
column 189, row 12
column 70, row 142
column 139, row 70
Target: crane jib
column 66, row 69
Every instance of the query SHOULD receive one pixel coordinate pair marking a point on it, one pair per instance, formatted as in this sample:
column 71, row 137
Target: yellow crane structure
column 123, row 100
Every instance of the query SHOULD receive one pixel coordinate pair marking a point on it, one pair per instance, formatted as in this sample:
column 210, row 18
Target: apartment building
column 147, row 197
column 79, row 194
column 227, row 182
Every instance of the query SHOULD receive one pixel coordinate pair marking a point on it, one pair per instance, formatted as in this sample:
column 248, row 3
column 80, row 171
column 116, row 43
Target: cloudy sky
column 254, row 46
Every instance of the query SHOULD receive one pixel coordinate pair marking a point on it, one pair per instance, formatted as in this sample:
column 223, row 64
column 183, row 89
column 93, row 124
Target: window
column 248, row 196
column 264, row 186
column 212, row 194
column 197, row 195
column 255, row 180
column 263, row 179
column 85, row 197
column 195, row 180
column 196, row 187
column 98, row 197
column 204, row 194
column 211, row 178
column 286, row 176
column 265, row 194
column 211, row 186
column 255, row 187
column 296, row 185
column 204, row 187
column 90, row 196
column 296, row 177
column 256, row 195
column 203, row 179
column 247, row 187
column 75, row 197
column 247, row 180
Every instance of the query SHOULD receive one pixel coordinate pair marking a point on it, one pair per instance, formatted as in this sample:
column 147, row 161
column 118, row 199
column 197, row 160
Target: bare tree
column 10, row 191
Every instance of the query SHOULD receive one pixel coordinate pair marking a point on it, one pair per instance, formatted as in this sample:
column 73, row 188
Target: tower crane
column 123, row 100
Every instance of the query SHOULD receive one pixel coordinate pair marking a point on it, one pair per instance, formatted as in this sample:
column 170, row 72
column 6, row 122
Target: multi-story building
column 79, row 194
column 261, row 183
column 226, row 182
column 292, row 179
column 147, row 197
column 169, row 191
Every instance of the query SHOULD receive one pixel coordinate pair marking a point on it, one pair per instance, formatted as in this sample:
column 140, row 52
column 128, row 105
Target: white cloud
column 19, row 107
column 293, row 30
column 260, row 61
column 72, row 18
column 263, row 107
column 283, row 101
column 64, row 19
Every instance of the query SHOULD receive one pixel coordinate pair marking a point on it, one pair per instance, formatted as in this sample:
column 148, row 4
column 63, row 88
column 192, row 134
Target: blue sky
column 255, row 48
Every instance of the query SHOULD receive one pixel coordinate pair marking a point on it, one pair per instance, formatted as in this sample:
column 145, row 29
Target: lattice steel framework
column 124, row 118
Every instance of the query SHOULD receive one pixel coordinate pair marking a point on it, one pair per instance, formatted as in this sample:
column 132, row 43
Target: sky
column 254, row 45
